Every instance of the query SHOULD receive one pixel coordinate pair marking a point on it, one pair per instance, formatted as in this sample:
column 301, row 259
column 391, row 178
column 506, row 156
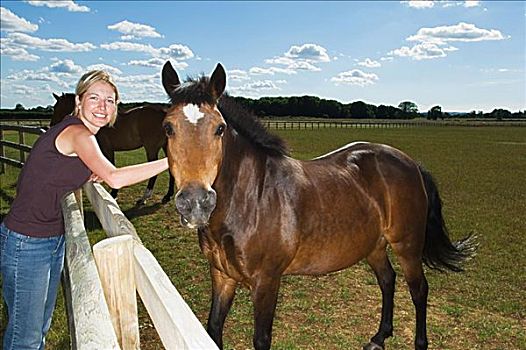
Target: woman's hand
column 95, row 178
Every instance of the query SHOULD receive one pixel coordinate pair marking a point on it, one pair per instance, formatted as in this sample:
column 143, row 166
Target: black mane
column 194, row 91
column 247, row 124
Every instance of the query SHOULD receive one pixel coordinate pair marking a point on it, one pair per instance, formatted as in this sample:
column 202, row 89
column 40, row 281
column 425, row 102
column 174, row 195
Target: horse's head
column 194, row 127
column 64, row 105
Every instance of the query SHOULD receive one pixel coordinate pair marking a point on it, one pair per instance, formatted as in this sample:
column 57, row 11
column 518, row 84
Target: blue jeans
column 31, row 269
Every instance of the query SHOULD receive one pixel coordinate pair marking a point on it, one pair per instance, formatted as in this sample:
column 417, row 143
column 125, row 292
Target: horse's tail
column 439, row 252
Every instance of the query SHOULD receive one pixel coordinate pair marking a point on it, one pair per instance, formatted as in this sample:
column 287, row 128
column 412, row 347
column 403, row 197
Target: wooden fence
column 394, row 124
column 102, row 314
column 21, row 145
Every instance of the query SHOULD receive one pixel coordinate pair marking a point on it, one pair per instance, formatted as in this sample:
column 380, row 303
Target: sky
column 460, row 55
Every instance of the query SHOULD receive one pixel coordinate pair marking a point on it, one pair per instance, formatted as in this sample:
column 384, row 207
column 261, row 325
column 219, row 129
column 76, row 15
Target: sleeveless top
column 45, row 178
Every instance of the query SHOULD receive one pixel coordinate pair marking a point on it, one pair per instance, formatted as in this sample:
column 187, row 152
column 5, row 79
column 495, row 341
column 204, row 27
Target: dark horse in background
column 261, row 214
column 133, row 128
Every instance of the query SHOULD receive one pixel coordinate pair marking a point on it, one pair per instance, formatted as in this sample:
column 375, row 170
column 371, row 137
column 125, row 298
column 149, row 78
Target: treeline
column 309, row 106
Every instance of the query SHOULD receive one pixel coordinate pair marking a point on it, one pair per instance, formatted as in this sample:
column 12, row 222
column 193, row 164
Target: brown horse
column 133, row 128
column 261, row 214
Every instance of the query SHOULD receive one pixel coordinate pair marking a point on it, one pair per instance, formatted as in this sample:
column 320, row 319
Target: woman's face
column 97, row 105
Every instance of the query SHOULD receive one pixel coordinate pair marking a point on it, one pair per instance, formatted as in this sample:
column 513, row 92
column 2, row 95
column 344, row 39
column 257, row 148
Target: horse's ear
column 170, row 78
column 218, row 81
column 55, row 96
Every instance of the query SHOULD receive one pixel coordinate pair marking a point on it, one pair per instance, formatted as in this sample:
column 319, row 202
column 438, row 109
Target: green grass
column 481, row 174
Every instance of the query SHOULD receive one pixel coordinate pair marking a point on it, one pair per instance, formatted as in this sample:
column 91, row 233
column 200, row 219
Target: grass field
column 481, row 174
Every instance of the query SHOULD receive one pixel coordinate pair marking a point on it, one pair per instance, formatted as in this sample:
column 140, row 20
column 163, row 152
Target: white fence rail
column 174, row 321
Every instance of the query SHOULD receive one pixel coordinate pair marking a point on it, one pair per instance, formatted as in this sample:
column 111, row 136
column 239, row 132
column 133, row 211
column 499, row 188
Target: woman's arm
column 76, row 139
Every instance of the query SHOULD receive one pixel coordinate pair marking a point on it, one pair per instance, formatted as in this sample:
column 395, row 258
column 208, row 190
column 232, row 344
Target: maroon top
column 46, row 177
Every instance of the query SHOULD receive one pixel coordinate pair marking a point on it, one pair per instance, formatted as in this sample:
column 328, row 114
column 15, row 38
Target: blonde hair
column 89, row 79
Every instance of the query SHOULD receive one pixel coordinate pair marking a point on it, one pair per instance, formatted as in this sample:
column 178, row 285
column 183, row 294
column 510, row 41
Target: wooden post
column 2, row 151
column 178, row 327
column 78, row 198
column 21, row 141
column 93, row 328
column 114, row 258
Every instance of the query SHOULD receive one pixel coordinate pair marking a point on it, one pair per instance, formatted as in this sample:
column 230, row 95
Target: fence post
column 21, row 141
column 114, row 258
column 93, row 328
column 2, row 151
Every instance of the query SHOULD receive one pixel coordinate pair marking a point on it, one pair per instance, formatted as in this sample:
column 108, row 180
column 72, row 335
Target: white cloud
column 237, row 75
column 113, row 71
column 157, row 62
column 302, row 57
column 9, row 22
column 16, row 53
column 427, row 4
column 421, row 51
column 35, row 43
column 458, row 32
column 309, row 53
column 43, row 75
column 175, row 51
column 419, row 4
column 257, row 86
column 65, row 66
column 355, row 77
column 434, row 42
column 271, row 70
column 471, row 3
column 369, row 63
column 127, row 46
column 134, row 30
column 67, row 4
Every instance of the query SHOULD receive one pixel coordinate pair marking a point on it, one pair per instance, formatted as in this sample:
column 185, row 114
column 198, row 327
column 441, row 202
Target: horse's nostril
column 209, row 201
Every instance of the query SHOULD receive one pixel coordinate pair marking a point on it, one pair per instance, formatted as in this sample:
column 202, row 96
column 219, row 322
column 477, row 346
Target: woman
column 32, row 234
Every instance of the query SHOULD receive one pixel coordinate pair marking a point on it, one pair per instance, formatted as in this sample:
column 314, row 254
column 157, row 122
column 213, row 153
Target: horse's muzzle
column 195, row 204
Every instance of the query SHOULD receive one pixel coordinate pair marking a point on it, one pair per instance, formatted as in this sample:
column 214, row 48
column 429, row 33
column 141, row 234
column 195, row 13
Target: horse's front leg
column 223, row 292
column 264, row 297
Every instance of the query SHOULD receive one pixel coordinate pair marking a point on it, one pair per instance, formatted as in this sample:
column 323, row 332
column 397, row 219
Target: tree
column 434, row 113
column 408, row 107
column 500, row 114
column 19, row 107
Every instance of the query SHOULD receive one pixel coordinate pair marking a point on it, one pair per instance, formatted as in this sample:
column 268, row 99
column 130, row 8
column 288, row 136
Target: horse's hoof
column 165, row 199
column 140, row 203
column 372, row 346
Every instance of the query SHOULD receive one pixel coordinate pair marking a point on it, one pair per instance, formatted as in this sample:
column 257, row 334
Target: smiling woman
column 32, row 234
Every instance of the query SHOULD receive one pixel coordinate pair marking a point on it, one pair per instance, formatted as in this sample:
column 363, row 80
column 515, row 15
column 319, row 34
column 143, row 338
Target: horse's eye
column 168, row 128
column 220, row 130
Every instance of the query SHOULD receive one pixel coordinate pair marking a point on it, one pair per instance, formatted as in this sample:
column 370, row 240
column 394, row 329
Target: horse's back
column 350, row 198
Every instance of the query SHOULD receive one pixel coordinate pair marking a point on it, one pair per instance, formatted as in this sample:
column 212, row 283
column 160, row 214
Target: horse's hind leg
column 152, row 154
column 411, row 263
column 386, row 277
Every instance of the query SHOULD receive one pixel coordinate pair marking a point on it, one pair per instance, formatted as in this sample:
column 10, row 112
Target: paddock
column 481, row 174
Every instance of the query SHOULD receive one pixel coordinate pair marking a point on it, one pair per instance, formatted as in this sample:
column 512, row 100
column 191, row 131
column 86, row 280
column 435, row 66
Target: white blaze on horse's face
column 195, row 144
column 192, row 113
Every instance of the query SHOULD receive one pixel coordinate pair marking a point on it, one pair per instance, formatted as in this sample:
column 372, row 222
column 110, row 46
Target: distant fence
column 21, row 146
column 44, row 122
column 322, row 124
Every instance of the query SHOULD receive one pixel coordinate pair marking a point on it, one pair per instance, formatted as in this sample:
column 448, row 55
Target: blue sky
column 461, row 55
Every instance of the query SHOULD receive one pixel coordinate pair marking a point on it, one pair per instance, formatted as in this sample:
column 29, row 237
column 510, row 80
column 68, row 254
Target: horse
column 261, row 214
column 133, row 128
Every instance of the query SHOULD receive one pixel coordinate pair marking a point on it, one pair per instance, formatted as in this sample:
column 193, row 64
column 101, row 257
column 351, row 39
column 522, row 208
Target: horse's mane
column 193, row 90
column 246, row 123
